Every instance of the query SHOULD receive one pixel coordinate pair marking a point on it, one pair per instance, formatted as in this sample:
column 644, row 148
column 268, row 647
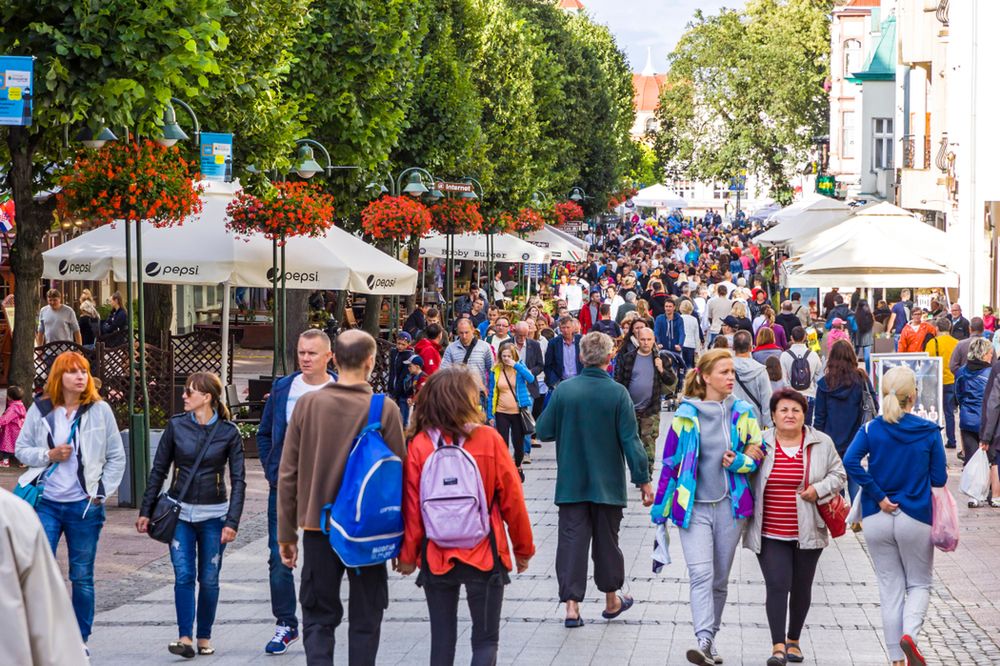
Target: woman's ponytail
column 899, row 387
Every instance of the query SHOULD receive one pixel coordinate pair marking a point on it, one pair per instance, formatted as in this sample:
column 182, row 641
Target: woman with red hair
column 71, row 443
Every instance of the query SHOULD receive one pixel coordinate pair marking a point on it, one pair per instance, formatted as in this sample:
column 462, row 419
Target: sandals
column 777, row 659
column 626, row 603
column 794, row 657
column 185, row 650
column 573, row 622
column 206, row 650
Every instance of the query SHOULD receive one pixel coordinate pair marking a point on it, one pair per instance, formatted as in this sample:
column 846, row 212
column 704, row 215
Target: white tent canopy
column 202, row 251
column 582, row 244
column 882, row 246
column 558, row 244
column 506, row 248
column 803, row 219
column 658, row 196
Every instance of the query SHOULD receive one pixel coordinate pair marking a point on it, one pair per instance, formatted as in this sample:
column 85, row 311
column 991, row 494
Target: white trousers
column 903, row 556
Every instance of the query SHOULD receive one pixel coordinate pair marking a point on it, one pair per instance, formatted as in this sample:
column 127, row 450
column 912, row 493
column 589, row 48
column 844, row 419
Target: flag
column 7, row 216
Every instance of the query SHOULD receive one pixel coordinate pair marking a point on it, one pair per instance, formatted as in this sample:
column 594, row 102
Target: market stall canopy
column 583, row 245
column 558, row 244
column 506, row 248
column 658, row 196
column 202, row 251
column 883, row 246
column 803, row 219
column 764, row 212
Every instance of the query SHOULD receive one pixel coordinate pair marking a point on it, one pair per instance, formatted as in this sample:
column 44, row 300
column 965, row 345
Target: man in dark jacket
column 959, row 324
column 646, row 373
column 399, row 361
column 669, row 328
column 787, row 319
column 839, row 311
column 561, row 362
column 314, row 354
column 416, row 321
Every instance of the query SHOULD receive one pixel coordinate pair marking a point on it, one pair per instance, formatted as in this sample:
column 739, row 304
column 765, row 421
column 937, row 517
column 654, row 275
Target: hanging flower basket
column 289, row 209
column 567, row 211
column 456, row 216
column 528, row 220
column 398, row 218
column 130, row 181
column 498, row 224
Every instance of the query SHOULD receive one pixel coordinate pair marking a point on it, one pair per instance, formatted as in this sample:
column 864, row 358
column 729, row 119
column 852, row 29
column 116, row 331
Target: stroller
column 671, row 391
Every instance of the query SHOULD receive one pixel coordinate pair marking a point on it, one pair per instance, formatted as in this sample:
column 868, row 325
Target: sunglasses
column 188, row 391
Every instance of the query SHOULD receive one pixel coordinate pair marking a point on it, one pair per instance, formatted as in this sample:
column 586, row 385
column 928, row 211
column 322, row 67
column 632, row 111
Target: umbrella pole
column 284, row 308
column 128, row 310
column 224, row 369
column 140, row 444
column 274, row 307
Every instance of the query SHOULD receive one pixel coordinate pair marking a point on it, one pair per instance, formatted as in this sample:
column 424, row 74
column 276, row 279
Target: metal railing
column 942, row 11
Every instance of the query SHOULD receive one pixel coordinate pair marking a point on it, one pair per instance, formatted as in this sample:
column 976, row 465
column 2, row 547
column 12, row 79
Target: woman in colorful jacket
column 787, row 533
column 713, row 445
column 508, row 394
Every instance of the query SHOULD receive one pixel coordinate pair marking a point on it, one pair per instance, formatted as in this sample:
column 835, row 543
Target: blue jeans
column 950, row 405
column 809, row 412
column 82, row 533
column 196, row 552
column 281, row 577
column 404, row 410
column 527, row 444
column 866, row 354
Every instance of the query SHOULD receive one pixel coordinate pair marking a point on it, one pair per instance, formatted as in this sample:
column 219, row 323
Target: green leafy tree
column 116, row 62
column 745, row 90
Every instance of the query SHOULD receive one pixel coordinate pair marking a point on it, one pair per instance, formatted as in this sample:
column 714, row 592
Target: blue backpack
column 365, row 522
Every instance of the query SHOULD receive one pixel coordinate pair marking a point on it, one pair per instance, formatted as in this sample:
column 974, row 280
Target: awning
column 506, row 248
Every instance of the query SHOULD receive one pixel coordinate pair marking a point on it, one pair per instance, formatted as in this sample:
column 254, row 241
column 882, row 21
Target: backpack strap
column 375, row 413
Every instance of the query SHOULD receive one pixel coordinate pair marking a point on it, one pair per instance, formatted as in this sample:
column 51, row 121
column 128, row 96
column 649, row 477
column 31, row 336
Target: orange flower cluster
column 621, row 197
column 289, row 209
column 398, row 218
column 456, row 216
column 567, row 211
column 528, row 220
column 130, row 181
column 498, row 224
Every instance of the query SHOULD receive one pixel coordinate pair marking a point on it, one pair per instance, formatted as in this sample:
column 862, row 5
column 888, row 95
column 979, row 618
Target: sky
column 658, row 24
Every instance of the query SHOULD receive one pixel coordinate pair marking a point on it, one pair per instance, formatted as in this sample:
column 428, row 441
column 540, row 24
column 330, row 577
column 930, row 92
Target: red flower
column 528, row 220
column 456, row 216
column 498, row 224
column 567, row 211
column 290, row 209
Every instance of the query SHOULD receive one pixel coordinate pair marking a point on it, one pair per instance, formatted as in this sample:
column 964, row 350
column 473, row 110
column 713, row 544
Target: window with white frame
column 852, row 57
column 720, row 191
column 847, row 135
column 882, row 143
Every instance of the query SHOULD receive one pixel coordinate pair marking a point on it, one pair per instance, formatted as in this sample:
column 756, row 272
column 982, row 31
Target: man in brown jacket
column 323, row 427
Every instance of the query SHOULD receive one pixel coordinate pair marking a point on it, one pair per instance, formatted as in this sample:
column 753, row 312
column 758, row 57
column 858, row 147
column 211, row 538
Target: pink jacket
column 10, row 425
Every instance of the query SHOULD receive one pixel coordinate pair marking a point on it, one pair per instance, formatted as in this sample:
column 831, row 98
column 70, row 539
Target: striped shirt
column 781, row 516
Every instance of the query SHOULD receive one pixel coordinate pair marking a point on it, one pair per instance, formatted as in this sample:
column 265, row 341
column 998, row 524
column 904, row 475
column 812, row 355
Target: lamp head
column 434, row 195
column 172, row 132
column 415, row 185
column 88, row 138
column 307, row 166
column 470, row 196
column 576, row 195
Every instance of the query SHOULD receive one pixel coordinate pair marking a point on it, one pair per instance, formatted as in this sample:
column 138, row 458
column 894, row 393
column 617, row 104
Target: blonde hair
column 498, row 363
column 899, row 388
column 694, row 382
column 686, row 307
column 739, row 310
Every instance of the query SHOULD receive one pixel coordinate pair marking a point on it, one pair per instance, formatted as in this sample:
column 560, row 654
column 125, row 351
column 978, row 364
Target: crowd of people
column 773, row 416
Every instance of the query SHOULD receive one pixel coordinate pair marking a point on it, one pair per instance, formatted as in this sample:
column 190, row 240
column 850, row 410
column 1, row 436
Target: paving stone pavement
column 843, row 626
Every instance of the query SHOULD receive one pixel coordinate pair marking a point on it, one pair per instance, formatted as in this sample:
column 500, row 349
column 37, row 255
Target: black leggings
column 485, row 603
column 512, row 430
column 788, row 572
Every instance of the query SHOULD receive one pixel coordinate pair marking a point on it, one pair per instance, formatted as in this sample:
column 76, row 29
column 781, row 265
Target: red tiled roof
column 571, row 4
column 647, row 91
column 864, row 3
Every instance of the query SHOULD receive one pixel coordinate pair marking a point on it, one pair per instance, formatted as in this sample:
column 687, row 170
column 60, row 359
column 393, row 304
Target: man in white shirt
column 573, row 293
column 314, row 353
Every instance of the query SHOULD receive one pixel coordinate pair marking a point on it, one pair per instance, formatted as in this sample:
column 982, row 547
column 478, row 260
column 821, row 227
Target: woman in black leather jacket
column 208, row 521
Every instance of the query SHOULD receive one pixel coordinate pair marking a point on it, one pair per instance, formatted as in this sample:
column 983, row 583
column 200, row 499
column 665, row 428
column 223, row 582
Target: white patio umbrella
column 584, row 245
column 202, row 251
column 803, row 219
column 506, row 248
column 558, row 244
column 658, row 196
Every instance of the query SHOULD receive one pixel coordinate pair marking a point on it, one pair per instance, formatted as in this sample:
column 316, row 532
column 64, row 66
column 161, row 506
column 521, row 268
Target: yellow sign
column 14, row 94
column 220, row 159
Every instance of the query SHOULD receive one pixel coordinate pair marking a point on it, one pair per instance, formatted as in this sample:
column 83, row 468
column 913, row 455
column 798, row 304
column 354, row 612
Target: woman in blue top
column 508, row 394
column 905, row 459
column 970, row 390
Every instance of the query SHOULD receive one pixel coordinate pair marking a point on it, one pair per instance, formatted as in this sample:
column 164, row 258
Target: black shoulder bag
column 167, row 510
column 749, row 393
column 527, row 420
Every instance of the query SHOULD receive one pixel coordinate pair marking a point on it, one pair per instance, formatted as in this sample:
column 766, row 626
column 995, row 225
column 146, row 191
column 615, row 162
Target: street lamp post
column 475, row 194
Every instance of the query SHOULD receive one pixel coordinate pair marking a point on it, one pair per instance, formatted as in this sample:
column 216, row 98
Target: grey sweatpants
column 709, row 544
column 903, row 556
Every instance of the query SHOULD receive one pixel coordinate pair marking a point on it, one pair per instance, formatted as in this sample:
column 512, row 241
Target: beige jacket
column 826, row 475
column 39, row 625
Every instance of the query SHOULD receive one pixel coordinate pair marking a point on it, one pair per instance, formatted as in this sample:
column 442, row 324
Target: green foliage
column 745, row 90
column 643, row 166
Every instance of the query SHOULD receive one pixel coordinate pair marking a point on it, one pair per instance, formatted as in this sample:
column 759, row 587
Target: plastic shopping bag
column 661, row 548
column 976, row 476
column 854, row 516
column 944, row 524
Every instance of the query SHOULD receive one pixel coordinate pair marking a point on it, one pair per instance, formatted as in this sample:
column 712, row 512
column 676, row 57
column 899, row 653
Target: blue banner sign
column 217, row 156
column 16, row 90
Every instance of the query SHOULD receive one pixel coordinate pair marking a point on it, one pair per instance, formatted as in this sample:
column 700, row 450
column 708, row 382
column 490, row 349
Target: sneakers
column 995, row 502
column 4, row 463
column 715, row 653
column 702, row 656
column 283, row 637
column 526, row 460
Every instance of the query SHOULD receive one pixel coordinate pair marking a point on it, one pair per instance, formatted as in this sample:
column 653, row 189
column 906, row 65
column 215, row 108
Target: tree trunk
column 159, row 308
column 298, row 321
column 413, row 261
column 33, row 220
column 339, row 308
column 373, row 308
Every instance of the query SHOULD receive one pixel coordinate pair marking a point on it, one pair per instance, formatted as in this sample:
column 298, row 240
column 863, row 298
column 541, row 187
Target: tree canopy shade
column 746, row 90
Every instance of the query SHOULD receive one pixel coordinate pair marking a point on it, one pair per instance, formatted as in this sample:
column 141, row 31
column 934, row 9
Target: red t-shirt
column 781, row 515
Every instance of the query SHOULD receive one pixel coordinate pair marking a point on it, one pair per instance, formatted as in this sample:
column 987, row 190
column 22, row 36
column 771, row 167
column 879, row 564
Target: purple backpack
column 452, row 498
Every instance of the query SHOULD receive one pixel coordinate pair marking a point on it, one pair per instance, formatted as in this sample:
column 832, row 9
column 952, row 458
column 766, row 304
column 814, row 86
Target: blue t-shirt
column 899, row 309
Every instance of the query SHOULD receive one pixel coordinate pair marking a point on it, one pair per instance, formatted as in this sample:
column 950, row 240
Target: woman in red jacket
column 447, row 413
